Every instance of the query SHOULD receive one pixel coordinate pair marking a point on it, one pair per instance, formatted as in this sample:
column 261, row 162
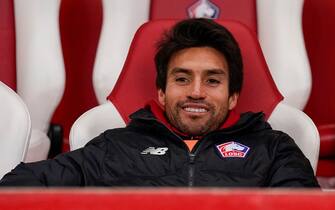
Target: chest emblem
column 155, row 151
column 232, row 149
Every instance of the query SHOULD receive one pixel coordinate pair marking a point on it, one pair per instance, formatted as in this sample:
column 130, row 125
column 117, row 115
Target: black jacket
column 147, row 153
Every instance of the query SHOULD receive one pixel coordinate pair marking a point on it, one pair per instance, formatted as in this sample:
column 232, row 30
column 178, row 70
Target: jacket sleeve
column 74, row 168
column 290, row 167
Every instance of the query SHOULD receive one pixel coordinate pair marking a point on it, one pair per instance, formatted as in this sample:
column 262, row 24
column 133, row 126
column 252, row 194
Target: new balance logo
column 155, row 151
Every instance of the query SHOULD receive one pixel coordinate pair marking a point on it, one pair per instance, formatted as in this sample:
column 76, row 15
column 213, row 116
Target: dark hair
column 200, row 32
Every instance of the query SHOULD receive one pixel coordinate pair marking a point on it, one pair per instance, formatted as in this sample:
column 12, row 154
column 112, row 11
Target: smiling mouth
column 195, row 110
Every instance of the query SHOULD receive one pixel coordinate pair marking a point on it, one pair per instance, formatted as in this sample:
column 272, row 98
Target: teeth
column 197, row 110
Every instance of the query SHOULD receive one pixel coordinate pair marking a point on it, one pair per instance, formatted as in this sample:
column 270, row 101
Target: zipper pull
column 192, row 157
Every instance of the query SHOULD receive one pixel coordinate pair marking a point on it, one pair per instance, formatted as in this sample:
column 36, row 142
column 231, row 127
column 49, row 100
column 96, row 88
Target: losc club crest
column 232, row 149
column 203, row 9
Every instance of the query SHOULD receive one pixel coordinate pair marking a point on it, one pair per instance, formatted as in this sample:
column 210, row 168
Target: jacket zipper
column 191, row 156
column 191, row 170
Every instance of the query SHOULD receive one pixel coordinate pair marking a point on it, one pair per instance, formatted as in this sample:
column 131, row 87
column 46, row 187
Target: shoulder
column 108, row 136
column 113, row 138
column 269, row 141
column 280, row 138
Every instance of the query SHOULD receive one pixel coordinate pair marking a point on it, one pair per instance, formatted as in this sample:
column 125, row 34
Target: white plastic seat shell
column 300, row 127
column 93, row 122
column 15, row 129
column 281, row 38
column 40, row 67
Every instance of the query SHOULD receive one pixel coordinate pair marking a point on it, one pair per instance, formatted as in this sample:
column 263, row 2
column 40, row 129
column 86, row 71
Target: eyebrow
column 208, row 72
column 215, row 71
column 180, row 70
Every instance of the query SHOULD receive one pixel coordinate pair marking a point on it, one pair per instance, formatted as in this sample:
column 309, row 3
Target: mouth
column 195, row 108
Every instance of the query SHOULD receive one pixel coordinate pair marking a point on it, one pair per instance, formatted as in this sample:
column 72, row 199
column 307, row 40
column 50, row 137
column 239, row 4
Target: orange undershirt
column 190, row 143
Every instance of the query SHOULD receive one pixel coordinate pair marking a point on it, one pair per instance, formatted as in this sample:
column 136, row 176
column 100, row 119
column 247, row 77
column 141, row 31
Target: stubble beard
column 203, row 128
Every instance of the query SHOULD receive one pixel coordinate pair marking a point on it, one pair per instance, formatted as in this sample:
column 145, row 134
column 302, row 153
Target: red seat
column 252, row 13
column 136, row 86
column 319, row 28
column 278, row 24
column 132, row 92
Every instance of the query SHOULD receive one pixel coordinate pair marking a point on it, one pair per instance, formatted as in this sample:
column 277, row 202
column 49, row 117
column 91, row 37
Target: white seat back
column 15, row 129
column 300, row 127
column 40, row 67
column 120, row 21
column 93, row 122
column 281, row 37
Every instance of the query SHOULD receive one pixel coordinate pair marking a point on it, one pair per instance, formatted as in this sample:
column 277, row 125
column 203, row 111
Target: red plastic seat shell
column 136, row 83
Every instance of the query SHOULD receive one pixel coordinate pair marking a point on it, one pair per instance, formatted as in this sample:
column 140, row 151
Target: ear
column 161, row 97
column 232, row 101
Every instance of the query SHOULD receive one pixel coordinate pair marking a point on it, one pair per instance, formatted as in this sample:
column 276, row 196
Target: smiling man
column 196, row 97
column 191, row 137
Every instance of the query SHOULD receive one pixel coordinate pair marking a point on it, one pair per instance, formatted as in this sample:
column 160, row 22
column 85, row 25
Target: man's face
column 196, row 98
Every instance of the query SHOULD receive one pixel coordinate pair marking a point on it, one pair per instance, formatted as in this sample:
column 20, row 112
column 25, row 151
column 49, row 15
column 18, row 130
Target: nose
column 197, row 90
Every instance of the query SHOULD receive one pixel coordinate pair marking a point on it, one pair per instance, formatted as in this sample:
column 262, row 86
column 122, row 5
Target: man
column 192, row 137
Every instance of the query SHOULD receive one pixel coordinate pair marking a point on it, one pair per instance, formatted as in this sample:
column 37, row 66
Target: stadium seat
column 136, row 86
column 278, row 25
column 15, row 127
column 285, row 19
column 39, row 66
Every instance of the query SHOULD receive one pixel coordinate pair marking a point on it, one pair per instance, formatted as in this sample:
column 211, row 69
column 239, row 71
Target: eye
column 213, row 82
column 181, row 80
